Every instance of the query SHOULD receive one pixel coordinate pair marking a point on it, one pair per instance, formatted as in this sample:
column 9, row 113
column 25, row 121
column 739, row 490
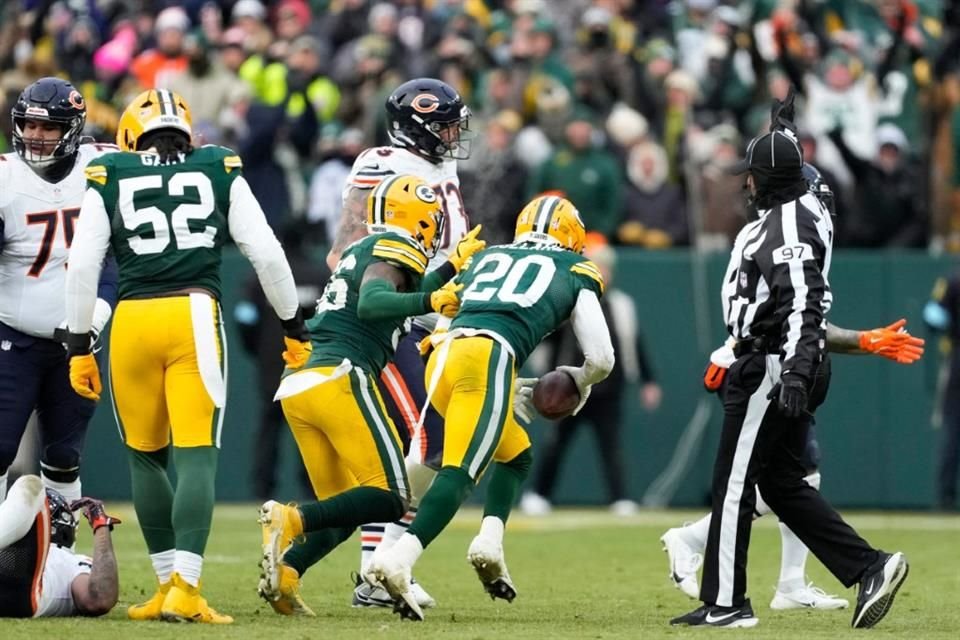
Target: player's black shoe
column 877, row 588
column 711, row 615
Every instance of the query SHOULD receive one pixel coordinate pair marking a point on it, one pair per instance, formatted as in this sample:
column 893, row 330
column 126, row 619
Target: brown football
column 555, row 395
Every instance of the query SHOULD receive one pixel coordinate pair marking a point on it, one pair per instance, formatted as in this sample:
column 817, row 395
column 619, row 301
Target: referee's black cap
column 774, row 152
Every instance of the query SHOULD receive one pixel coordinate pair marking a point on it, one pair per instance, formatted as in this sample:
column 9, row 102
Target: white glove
column 578, row 374
column 523, row 399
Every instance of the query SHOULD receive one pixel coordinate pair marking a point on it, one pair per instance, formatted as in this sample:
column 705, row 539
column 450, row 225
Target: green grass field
column 580, row 574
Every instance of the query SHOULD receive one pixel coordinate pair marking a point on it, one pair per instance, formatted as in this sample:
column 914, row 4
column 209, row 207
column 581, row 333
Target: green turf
column 580, row 574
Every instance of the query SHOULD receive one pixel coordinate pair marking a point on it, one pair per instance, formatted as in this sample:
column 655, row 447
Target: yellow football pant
column 155, row 371
column 474, row 395
column 345, row 436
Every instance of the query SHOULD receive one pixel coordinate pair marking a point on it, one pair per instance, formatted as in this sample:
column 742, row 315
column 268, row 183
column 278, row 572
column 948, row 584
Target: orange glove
column 713, row 377
column 85, row 376
column 893, row 342
column 297, row 353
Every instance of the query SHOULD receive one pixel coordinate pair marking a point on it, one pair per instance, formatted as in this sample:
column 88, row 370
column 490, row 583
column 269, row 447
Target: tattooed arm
column 95, row 593
column 840, row 340
column 353, row 223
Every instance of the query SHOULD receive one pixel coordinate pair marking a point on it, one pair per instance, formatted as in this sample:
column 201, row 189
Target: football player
column 41, row 187
column 166, row 209
column 349, row 443
column 685, row 545
column 514, row 295
column 40, row 575
column 428, row 125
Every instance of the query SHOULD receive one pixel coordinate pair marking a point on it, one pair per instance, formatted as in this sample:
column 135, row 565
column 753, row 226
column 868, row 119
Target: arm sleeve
column 256, row 241
column 799, row 287
column 380, row 300
column 593, row 335
column 90, row 243
column 437, row 278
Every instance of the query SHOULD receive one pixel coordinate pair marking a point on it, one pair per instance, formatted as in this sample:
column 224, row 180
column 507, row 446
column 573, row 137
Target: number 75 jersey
column 38, row 219
column 523, row 292
column 168, row 222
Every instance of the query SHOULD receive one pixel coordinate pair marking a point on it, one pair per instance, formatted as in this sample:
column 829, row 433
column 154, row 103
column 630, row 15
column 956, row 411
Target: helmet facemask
column 39, row 152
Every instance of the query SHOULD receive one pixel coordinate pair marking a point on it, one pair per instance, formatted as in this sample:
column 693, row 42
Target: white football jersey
column 56, row 590
column 38, row 223
column 374, row 164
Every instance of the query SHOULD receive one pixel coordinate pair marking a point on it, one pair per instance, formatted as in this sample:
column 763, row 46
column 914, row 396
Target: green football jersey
column 168, row 221
column 336, row 331
column 523, row 292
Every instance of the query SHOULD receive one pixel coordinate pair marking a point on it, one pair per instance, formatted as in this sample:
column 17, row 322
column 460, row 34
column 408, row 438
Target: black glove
column 295, row 328
column 791, row 394
column 94, row 512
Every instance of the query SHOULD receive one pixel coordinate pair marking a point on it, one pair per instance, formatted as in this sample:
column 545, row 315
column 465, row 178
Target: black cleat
column 711, row 615
column 877, row 588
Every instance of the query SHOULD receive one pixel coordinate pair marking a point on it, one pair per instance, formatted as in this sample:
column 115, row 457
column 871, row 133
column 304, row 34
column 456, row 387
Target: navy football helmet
column 819, row 187
column 428, row 116
column 49, row 100
column 63, row 524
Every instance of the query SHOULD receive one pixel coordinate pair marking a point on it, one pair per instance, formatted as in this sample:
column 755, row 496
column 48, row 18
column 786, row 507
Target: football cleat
column 684, row 562
column 367, row 595
column 877, row 588
column 280, row 525
column 533, row 504
column 184, row 603
column 386, row 572
column 486, row 556
column 716, row 616
column 808, row 597
column 150, row 610
column 285, row 599
column 424, row 599
column 624, row 508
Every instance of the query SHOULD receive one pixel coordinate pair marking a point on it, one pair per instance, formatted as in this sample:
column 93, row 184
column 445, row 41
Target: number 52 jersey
column 522, row 292
column 37, row 220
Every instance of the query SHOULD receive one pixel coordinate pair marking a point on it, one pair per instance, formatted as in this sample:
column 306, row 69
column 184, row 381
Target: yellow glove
column 85, row 376
column 426, row 345
column 445, row 300
column 297, row 353
column 468, row 245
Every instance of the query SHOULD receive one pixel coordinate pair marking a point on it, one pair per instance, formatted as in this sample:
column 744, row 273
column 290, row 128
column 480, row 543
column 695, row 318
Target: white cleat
column 486, row 556
column 534, row 504
column 808, row 597
column 424, row 599
column 684, row 563
column 624, row 508
column 386, row 572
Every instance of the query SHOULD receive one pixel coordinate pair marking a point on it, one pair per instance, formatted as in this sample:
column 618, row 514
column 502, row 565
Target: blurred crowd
column 632, row 108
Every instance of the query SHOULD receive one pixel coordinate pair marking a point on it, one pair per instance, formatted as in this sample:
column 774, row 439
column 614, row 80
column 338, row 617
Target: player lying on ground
column 40, row 575
column 514, row 296
column 349, row 444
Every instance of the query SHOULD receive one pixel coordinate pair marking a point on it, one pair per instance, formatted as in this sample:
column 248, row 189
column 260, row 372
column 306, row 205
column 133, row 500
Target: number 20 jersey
column 38, row 222
column 523, row 292
column 168, row 221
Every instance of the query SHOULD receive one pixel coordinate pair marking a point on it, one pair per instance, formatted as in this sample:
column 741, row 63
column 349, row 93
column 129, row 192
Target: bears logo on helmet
column 428, row 116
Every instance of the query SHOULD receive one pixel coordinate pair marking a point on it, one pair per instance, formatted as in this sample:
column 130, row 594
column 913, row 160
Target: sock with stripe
column 194, row 498
column 152, row 497
column 352, row 508
column 441, row 502
column 506, row 479
column 69, row 490
column 386, row 535
column 371, row 535
column 316, row 545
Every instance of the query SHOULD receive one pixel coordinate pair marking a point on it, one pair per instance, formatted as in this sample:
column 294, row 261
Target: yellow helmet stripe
column 380, row 199
column 545, row 213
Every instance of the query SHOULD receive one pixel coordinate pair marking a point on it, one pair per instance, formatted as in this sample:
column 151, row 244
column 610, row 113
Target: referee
column 781, row 374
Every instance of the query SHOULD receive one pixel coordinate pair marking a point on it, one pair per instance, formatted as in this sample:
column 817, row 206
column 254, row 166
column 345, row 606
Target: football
column 556, row 395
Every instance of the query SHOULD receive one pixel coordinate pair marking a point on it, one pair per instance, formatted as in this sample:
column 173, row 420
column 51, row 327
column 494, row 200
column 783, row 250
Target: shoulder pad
column 400, row 252
column 370, row 167
column 232, row 162
column 589, row 270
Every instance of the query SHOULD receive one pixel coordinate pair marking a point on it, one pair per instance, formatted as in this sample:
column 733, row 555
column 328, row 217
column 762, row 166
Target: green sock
column 194, row 498
column 352, row 508
column 152, row 497
column 303, row 555
column 438, row 506
column 505, row 482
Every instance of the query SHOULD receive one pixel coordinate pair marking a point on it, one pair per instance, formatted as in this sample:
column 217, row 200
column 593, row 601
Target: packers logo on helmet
column 152, row 110
column 407, row 205
column 551, row 220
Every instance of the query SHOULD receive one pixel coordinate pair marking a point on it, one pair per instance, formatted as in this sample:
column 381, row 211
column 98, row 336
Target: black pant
column 949, row 457
column 759, row 447
column 603, row 414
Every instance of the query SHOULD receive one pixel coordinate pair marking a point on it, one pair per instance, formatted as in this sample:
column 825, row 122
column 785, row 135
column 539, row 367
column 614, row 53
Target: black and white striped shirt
column 776, row 285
